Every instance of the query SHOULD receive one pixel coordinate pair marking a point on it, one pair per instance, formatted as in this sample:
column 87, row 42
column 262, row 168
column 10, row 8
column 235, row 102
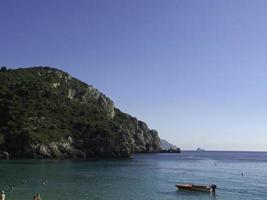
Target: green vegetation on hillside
column 41, row 105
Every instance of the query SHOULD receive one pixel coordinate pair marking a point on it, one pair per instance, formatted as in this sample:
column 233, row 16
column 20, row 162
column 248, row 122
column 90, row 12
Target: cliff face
column 48, row 114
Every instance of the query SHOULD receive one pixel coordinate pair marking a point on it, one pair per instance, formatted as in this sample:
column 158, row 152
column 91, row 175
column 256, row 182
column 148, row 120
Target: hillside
column 46, row 113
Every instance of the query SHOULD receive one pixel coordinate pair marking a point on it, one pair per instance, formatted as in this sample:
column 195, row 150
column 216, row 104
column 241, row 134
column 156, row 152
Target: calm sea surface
column 147, row 176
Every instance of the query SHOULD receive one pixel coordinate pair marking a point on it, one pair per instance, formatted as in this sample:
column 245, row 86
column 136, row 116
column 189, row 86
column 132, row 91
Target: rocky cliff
column 46, row 113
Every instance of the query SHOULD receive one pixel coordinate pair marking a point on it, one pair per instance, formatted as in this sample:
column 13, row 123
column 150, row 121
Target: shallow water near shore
column 146, row 176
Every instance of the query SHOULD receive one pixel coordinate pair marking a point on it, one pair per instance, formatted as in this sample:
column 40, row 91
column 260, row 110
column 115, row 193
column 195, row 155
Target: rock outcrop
column 46, row 113
column 168, row 147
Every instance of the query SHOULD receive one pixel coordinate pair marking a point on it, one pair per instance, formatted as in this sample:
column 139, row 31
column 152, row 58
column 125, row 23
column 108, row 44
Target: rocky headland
column 168, row 147
column 46, row 113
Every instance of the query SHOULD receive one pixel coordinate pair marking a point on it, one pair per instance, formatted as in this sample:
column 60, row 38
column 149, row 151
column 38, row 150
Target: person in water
column 38, row 197
column 3, row 196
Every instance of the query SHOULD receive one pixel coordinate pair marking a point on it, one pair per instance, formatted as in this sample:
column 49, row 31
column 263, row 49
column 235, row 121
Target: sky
column 196, row 71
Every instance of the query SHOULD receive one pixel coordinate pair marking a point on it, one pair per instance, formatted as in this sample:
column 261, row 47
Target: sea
column 144, row 177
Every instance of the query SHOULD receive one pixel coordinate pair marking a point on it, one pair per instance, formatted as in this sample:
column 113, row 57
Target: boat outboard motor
column 212, row 188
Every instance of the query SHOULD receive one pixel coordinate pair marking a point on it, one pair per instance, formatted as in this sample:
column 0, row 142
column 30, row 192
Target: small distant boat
column 201, row 188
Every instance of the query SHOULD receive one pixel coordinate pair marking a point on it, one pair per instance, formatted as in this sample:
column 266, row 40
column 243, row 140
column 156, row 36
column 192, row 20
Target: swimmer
column 3, row 196
column 10, row 188
column 38, row 197
column 44, row 182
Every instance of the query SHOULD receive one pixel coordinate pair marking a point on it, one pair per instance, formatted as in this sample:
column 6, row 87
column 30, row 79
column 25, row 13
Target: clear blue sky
column 196, row 71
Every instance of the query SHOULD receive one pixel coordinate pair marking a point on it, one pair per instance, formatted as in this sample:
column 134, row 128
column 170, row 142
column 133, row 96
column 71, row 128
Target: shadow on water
column 195, row 195
column 189, row 195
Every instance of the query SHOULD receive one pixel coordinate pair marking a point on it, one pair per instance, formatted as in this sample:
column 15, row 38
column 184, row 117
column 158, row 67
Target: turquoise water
column 147, row 176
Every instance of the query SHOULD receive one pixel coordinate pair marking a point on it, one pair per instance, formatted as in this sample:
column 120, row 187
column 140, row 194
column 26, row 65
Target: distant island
column 46, row 113
column 199, row 149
